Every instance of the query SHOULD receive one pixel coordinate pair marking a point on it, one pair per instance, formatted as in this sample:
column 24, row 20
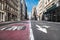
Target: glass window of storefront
column 0, row 6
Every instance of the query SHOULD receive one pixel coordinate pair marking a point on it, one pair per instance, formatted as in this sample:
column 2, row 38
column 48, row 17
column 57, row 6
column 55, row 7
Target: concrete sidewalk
column 9, row 22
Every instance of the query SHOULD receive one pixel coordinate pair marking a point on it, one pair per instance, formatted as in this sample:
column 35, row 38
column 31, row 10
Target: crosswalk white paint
column 19, row 27
column 46, row 26
column 12, row 28
column 3, row 28
column 41, row 29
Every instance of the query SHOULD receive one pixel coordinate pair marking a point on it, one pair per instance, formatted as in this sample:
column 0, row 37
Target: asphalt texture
column 53, row 30
column 41, row 30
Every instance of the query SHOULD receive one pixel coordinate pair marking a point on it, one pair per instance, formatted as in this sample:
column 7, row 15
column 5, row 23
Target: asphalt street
column 44, row 30
column 30, row 30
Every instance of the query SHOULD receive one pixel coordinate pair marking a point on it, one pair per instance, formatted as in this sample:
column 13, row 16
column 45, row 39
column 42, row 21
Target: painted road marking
column 41, row 29
column 10, row 28
column 14, row 27
column 4, row 28
column 31, row 33
column 20, row 27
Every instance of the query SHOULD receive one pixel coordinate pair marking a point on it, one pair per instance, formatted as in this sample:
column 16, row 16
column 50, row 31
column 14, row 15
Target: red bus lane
column 22, row 34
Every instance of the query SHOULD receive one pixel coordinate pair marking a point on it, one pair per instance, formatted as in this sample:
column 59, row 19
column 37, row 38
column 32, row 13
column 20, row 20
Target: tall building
column 13, row 10
column 52, row 10
column 26, row 15
column 40, row 9
column 49, row 10
column 19, row 10
column 34, row 16
column 8, row 10
column 24, row 10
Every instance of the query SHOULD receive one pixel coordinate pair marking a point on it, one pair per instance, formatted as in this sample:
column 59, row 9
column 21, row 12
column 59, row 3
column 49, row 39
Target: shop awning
column 52, row 8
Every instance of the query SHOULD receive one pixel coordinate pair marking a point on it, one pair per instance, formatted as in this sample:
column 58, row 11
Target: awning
column 51, row 8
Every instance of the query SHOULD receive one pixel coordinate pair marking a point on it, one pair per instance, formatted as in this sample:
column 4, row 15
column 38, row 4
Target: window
column 0, row 6
column 48, row 0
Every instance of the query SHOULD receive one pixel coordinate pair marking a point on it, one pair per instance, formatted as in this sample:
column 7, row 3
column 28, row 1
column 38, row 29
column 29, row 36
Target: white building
column 47, row 8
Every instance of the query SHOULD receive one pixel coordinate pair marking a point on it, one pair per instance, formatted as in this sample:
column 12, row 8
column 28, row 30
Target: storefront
column 2, row 17
column 52, row 14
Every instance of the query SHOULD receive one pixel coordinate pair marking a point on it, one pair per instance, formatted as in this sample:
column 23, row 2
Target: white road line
column 4, row 28
column 41, row 29
column 19, row 27
column 31, row 33
column 14, row 27
column 10, row 28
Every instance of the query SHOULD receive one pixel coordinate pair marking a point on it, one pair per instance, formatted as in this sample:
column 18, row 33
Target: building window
column 45, row 2
column 48, row 0
column 0, row 6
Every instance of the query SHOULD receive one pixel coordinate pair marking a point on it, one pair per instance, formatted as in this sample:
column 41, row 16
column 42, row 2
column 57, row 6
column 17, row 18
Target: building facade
column 40, row 9
column 34, row 16
column 50, row 10
column 8, row 10
column 19, row 10
column 13, row 10
column 24, row 10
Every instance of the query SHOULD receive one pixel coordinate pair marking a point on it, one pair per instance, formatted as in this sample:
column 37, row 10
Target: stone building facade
column 50, row 10
column 8, row 10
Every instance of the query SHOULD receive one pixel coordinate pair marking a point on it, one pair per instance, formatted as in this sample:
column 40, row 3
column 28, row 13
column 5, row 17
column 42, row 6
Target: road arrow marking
column 41, row 29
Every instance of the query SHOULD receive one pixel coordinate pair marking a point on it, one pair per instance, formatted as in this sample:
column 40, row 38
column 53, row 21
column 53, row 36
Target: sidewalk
column 49, row 22
column 8, row 22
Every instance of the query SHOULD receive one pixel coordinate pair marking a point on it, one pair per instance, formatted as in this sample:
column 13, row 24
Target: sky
column 30, row 4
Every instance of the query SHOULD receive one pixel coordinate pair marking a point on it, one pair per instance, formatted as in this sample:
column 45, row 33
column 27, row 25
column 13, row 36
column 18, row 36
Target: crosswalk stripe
column 4, row 28
column 19, row 27
column 10, row 28
column 14, row 28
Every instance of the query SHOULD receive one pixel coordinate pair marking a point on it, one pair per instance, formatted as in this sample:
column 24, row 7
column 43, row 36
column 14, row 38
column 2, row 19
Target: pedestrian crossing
column 13, row 28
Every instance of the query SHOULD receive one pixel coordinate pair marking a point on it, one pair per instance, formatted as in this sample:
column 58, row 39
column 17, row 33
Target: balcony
column 15, row 2
column 11, row 5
